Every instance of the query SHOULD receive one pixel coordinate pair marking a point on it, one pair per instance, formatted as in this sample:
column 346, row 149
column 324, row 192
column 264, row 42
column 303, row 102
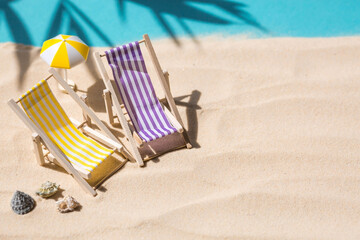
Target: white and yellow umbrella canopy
column 64, row 51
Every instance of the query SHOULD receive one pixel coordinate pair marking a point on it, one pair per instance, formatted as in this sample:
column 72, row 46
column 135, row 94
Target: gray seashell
column 21, row 203
column 47, row 189
column 67, row 204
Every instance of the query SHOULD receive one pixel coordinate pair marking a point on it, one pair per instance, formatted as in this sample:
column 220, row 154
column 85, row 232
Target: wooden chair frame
column 114, row 104
column 54, row 154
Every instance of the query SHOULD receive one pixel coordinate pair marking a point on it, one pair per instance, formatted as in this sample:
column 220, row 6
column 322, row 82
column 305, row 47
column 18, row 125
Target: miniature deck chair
column 150, row 118
column 68, row 147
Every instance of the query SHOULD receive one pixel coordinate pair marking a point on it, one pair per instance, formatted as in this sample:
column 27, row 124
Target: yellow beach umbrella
column 64, row 51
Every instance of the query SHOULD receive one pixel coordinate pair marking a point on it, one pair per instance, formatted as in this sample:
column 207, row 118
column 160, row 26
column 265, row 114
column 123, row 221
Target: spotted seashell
column 22, row 203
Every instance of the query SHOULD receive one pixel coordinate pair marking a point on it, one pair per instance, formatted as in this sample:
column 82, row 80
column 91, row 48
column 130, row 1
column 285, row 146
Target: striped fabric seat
column 137, row 92
column 45, row 111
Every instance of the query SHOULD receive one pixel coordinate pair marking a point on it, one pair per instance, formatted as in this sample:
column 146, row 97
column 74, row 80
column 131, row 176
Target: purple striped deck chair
column 150, row 119
column 137, row 92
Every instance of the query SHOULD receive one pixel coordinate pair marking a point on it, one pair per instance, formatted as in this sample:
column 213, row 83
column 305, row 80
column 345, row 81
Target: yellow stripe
column 47, row 96
column 48, row 44
column 80, row 47
column 61, row 58
column 63, row 134
column 49, row 93
column 61, row 110
column 24, row 103
column 65, row 36
column 49, row 99
column 73, row 159
column 50, row 130
column 31, row 89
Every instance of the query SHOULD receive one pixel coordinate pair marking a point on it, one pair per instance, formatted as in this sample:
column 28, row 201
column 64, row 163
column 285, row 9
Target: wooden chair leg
column 108, row 106
column 85, row 116
column 38, row 149
column 166, row 75
column 187, row 140
column 163, row 81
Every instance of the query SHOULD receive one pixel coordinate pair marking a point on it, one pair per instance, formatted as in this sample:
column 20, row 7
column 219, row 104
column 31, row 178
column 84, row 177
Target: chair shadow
column 191, row 114
column 154, row 160
column 53, row 166
column 102, row 189
column 95, row 96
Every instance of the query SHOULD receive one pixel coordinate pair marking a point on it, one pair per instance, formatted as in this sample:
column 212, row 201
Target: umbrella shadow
column 20, row 34
column 183, row 10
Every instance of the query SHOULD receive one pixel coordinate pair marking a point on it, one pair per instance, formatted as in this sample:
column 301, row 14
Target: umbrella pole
column 65, row 75
column 68, row 81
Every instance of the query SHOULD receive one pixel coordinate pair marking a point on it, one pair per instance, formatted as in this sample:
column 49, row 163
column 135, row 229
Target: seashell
column 22, row 203
column 47, row 189
column 67, row 204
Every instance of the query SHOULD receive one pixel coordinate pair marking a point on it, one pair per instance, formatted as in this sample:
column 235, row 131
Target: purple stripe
column 131, row 61
column 120, row 83
column 146, row 106
column 128, row 105
column 149, row 96
column 138, row 88
column 126, row 79
column 132, row 86
column 157, row 103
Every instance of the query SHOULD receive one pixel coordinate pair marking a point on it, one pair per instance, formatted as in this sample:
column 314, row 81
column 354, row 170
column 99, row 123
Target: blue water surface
column 111, row 22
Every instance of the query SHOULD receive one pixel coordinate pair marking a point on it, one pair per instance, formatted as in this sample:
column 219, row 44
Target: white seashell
column 67, row 204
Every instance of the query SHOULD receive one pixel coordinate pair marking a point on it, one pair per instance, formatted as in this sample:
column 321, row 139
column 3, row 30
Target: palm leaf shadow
column 55, row 24
column 68, row 9
column 183, row 9
column 237, row 10
column 121, row 7
column 94, row 94
column 87, row 20
column 21, row 35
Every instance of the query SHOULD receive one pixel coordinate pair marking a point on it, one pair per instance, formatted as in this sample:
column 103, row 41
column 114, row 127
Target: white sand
column 277, row 134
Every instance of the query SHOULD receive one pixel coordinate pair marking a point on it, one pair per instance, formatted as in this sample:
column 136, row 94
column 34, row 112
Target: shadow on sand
column 76, row 21
column 183, row 10
column 20, row 34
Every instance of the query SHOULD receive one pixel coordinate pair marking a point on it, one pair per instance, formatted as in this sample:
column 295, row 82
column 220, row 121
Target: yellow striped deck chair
column 45, row 111
column 58, row 132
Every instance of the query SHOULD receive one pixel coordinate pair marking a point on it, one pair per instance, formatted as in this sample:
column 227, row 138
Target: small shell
column 47, row 189
column 67, row 204
column 21, row 203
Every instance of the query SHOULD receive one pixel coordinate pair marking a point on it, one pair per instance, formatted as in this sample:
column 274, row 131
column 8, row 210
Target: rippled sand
column 275, row 125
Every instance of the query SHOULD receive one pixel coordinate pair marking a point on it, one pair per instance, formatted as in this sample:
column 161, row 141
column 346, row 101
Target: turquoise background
column 111, row 22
